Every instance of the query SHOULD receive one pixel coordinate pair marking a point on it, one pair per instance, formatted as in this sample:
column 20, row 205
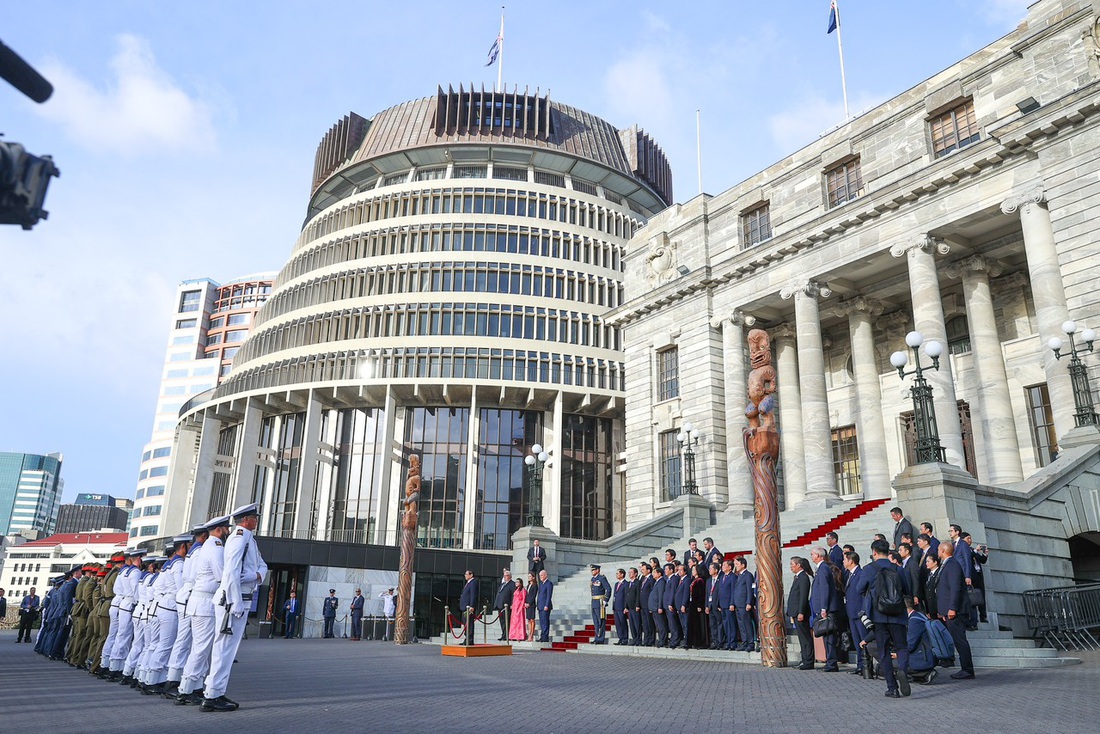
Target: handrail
column 1064, row 615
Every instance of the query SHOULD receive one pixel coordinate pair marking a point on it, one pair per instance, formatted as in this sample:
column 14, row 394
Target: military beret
column 118, row 556
column 101, row 573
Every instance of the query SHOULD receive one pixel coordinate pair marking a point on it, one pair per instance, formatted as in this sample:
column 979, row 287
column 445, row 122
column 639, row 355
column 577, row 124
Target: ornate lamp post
column 536, row 462
column 929, row 449
column 689, row 437
column 1078, row 373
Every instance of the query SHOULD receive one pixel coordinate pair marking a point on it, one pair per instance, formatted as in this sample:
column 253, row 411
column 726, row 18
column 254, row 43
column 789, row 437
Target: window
column 756, row 225
column 668, row 374
column 846, row 461
column 189, row 301
column 958, row 335
column 909, row 432
column 213, row 339
column 146, row 455
column 133, row 532
column 176, row 374
column 203, row 371
column 1041, row 418
column 668, row 449
column 469, row 172
column 137, row 512
column 152, row 510
column 431, row 174
column 156, row 491
column 158, row 471
column 139, row 495
column 148, row 530
column 187, row 323
column 844, row 182
column 179, row 357
column 954, row 129
column 237, row 319
column 230, row 353
column 175, row 390
column 181, row 340
column 236, row 336
column 162, row 452
column 217, row 323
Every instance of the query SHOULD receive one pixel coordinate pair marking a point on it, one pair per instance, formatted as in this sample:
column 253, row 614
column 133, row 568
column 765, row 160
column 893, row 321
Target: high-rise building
column 209, row 324
column 34, row 563
column 30, row 492
column 92, row 512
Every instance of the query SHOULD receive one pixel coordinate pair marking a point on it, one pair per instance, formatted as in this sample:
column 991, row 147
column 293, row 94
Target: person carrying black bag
column 883, row 590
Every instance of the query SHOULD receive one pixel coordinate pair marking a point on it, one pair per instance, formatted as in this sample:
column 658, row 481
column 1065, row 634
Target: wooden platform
column 476, row 651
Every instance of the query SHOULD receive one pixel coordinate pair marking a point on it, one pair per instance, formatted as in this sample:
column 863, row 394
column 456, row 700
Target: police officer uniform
column 601, row 593
column 209, row 562
column 244, row 569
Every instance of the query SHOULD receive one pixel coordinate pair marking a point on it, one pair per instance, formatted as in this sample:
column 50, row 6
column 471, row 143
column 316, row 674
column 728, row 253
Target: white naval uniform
column 142, row 602
column 208, row 572
column 164, row 592
column 151, row 626
column 182, row 647
column 125, row 592
column 112, row 627
column 244, row 570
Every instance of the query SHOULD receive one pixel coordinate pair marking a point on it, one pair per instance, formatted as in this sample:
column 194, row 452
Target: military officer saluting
column 601, row 593
column 243, row 572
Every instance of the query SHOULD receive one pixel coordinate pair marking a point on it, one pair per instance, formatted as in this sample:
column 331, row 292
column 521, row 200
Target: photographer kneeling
column 922, row 663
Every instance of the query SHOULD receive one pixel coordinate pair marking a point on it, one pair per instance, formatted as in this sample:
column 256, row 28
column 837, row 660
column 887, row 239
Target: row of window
column 157, row 453
column 544, row 243
column 156, row 471
column 156, row 491
column 438, row 319
column 949, row 131
column 450, row 277
column 150, row 511
column 144, row 532
column 435, row 362
column 26, row 568
column 506, row 202
column 196, row 372
column 231, row 337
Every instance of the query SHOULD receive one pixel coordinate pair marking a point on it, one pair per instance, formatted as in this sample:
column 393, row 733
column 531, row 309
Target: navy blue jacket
column 644, row 592
column 545, row 597
column 836, row 555
column 742, row 590
column 725, row 590
column 965, row 557
column 619, row 604
column 683, row 593
column 866, row 584
column 823, row 591
column 657, row 595
column 920, row 656
column 853, row 602
column 951, row 590
column 714, row 588
column 669, row 599
column 469, row 596
column 713, row 556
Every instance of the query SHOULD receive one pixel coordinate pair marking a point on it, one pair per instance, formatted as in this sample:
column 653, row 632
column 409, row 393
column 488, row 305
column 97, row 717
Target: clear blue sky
column 185, row 135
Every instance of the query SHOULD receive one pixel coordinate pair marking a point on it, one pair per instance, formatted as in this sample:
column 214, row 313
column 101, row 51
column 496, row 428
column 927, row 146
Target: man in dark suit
column 536, row 558
column 963, row 553
column 713, row 607
column 911, row 565
column 798, row 611
column 632, row 604
column 725, row 601
column 901, row 525
column 890, row 627
column 742, row 603
column 645, row 617
column 853, row 604
column 926, row 529
column 693, row 548
column 467, row 605
column 836, row 553
column 713, row 555
column 503, row 599
column 291, row 610
column 953, row 607
column 657, row 612
column 672, row 612
column 824, row 602
column 618, row 606
column 357, row 603
column 545, row 601
column 682, row 602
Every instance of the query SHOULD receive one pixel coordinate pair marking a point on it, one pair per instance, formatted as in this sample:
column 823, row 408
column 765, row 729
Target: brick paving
column 341, row 686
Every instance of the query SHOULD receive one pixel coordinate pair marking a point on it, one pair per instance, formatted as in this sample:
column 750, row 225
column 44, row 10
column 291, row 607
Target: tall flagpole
column 840, row 49
column 699, row 150
column 500, row 56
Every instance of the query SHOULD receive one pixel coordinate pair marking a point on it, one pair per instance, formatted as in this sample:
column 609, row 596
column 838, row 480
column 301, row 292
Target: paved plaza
column 340, row 686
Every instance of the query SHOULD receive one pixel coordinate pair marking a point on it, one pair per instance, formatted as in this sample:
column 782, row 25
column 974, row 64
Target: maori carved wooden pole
column 408, row 550
column 762, row 448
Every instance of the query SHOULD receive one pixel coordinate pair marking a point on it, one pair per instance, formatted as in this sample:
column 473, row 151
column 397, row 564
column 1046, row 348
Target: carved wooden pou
column 409, row 519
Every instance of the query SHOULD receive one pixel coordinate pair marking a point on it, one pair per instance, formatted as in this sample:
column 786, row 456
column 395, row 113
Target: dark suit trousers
column 634, row 621
column 717, row 638
column 957, row 628
column 857, row 630
column 648, row 631
column 744, row 624
column 891, row 638
column 544, row 625
column 729, row 625
column 830, row 651
column 675, row 631
column 805, row 641
column 25, row 622
column 622, row 629
column 660, row 621
column 505, row 620
column 683, row 627
column 328, row 626
column 357, row 624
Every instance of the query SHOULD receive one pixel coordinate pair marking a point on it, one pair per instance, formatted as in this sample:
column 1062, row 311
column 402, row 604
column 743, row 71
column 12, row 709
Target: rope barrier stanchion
column 484, row 625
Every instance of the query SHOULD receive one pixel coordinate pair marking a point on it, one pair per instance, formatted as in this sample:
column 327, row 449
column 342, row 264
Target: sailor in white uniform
column 200, row 606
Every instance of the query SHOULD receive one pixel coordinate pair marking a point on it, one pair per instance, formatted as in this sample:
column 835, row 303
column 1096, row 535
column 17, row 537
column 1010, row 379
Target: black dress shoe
column 893, row 694
column 805, row 667
column 221, row 703
column 184, row 699
column 903, row 683
column 962, row 675
column 855, row 672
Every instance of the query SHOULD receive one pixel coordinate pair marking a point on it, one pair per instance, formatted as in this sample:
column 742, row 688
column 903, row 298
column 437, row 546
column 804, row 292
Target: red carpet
column 834, row 524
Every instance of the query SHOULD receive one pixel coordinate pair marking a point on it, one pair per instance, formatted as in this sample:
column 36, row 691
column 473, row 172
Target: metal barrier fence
column 1065, row 616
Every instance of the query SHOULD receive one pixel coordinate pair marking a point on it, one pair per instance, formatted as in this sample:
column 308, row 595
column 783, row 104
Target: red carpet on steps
column 852, row 514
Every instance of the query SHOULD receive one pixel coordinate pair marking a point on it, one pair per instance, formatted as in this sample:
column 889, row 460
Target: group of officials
column 164, row 625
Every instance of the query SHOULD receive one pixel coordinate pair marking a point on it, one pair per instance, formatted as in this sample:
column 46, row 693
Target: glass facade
column 503, row 485
column 356, row 487
column 586, row 478
column 439, row 435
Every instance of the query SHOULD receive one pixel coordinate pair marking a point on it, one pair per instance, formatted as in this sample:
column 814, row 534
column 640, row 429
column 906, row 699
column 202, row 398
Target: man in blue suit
column 953, row 606
column 824, row 601
column 742, row 602
column 725, row 601
column 683, row 601
column 657, row 610
column 714, row 606
column 618, row 606
column 467, row 605
column 672, row 612
column 890, row 626
column 962, row 553
column 853, row 603
column 713, row 555
column 545, row 601
column 645, row 614
column 836, row 553
column 290, row 613
column 926, row 529
column 632, row 604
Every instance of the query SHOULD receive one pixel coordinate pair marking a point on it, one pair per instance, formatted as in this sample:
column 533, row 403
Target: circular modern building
column 445, row 298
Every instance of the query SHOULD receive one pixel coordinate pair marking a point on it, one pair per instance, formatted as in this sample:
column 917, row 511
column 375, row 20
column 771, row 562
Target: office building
column 30, row 492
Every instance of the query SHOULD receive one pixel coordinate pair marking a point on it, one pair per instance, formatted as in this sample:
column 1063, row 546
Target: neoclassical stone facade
column 963, row 208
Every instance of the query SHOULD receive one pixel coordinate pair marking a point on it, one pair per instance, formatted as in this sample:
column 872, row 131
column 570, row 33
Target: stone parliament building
column 480, row 272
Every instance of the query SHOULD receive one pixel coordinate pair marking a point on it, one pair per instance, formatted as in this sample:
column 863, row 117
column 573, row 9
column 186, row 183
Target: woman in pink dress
column 517, row 628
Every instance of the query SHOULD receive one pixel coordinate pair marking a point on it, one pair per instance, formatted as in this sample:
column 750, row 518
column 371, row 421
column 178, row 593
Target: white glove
column 238, row 613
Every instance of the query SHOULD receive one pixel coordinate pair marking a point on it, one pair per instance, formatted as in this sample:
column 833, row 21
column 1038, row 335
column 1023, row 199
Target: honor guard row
column 166, row 625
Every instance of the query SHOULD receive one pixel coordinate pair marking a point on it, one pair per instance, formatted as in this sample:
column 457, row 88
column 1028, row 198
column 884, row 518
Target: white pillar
column 204, row 464
column 1000, row 461
column 247, row 456
column 924, row 288
column 874, row 464
column 740, row 492
column 816, row 436
column 791, row 450
column 1048, row 294
column 473, row 433
column 307, row 469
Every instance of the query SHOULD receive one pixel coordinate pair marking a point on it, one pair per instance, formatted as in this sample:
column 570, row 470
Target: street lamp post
column 535, row 461
column 689, row 437
column 1078, row 373
column 929, row 449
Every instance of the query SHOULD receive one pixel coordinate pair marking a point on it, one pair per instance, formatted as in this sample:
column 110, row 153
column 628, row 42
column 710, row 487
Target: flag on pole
column 494, row 51
column 834, row 18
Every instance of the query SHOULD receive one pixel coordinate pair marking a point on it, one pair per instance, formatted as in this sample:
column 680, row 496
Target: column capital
column 1012, row 281
column 1034, row 195
column 920, row 242
column 859, row 304
column 975, row 264
column 895, row 319
column 811, row 288
column 785, row 330
column 735, row 317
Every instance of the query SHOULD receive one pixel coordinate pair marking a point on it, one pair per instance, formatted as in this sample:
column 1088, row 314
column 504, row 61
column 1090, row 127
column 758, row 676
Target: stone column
column 874, row 463
column 307, row 470
column 816, row 436
column 1000, row 461
column 790, row 415
column 1048, row 294
column 924, row 287
column 739, row 480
